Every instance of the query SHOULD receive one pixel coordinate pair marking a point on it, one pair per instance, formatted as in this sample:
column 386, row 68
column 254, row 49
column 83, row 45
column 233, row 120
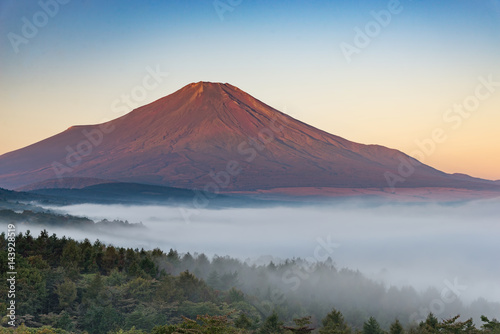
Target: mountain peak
column 210, row 87
column 208, row 90
column 204, row 85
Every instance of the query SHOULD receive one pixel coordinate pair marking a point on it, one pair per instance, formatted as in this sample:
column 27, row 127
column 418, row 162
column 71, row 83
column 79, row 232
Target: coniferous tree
column 372, row 327
column 95, row 286
column 213, row 280
column 452, row 326
column 490, row 326
column 272, row 324
column 301, row 326
column 396, row 328
column 430, row 325
column 243, row 322
column 334, row 323
column 66, row 291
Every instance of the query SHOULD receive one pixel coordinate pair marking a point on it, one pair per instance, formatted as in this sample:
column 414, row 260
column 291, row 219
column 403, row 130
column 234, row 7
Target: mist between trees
column 93, row 287
column 418, row 245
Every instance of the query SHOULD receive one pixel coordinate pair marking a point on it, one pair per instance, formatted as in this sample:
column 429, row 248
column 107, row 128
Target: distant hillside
column 135, row 193
column 66, row 182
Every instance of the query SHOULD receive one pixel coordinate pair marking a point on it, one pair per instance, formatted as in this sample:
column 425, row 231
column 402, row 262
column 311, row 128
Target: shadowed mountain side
column 127, row 194
column 208, row 134
column 67, row 183
column 135, row 193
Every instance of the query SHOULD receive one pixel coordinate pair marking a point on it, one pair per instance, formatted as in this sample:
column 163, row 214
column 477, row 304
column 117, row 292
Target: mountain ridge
column 206, row 132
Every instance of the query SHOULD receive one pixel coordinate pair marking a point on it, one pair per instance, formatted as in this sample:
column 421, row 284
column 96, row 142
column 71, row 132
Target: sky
column 419, row 76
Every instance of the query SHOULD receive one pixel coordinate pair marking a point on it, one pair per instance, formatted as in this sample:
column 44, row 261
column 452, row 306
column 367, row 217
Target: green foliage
column 99, row 319
column 272, row 324
column 132, row 330
column 82, row 287
column 490, row 326
column 66, row 291
column 431, row 323
column 396, row 328
column 372, row 327
column 234, row 296
column 94, row 287
column 31, row 288
column 452, row 326
column 334, row 323
column 65, row 321
column 213, row 280
column 191, row 310
column 204, row 324
column 301, row 325
column 22, row 329
column 243, row 322
column 194, row 289
column 144, row 318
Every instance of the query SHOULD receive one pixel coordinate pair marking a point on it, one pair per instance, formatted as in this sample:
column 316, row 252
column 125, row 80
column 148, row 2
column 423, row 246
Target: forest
column 64, row 285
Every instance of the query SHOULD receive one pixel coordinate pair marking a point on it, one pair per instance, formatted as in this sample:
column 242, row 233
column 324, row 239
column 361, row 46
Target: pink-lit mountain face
column 217, row 137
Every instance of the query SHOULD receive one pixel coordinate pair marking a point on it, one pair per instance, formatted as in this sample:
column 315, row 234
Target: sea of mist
column 418, row 245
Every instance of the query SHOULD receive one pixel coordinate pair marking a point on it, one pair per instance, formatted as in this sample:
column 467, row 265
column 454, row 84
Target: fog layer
column 419, row 245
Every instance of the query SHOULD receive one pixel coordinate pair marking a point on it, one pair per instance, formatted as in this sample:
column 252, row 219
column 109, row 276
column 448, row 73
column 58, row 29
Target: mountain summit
column 216, row 136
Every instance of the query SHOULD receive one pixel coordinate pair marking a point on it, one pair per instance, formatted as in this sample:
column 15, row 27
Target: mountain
column 216, row 137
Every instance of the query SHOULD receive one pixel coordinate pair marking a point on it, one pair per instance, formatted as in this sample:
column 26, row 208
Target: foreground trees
column 66, row 286
column 205, row 324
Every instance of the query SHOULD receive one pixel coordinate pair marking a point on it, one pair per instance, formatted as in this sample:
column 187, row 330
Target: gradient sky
column 394, row 92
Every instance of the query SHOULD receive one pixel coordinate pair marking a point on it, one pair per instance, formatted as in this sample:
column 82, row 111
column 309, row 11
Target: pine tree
column 66, row 291
column 272, row 324
column 372, row 327
column 243, row 322
column 95, row 287
column 396, row 328
column 213, row 280
column 452, row 326
column 334, row 323
column 301, row 326
column 490, row 326
column 430, row 325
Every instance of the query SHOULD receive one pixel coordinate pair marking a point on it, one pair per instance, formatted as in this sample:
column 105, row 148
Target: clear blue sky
column 288, row 54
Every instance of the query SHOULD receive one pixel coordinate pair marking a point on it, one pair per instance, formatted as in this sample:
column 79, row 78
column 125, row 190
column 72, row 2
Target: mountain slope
column 215, row 136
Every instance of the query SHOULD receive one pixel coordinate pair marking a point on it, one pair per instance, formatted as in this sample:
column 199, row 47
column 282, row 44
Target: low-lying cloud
column 420, row 245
